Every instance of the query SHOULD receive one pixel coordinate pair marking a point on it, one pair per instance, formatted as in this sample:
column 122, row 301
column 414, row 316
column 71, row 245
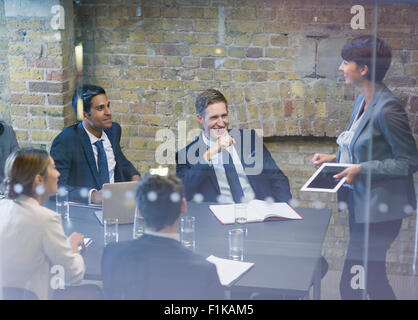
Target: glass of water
column 111, row 233
column 236, row 244
column 62, row 206
column 139, row 225
column 187, row 231
column 241, row 216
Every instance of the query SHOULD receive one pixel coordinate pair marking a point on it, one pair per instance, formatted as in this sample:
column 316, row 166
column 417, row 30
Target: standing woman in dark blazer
column 379, row 189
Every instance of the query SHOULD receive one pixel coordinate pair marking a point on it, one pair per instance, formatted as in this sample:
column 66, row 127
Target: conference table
column 286, row 253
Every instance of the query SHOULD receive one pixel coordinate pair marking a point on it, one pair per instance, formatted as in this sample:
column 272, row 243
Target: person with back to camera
column 157, row 265
column 32, row 238
column 379, row 189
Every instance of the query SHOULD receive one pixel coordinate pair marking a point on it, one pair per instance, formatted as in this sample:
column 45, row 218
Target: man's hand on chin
column 223, row 141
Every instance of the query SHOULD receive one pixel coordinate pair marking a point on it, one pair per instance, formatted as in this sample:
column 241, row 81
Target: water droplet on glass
column 18, row 188
column 318, row 204
column 269, row 200
column 107, row 194
column 408, row 209
column 198, row 198
column 152, row 196
column 175, row 197
column 40, row 190
column 129, row 195
column 84, row 193
column 383, row 207
column 342, row 205
column 62, row 191
column 294, row 202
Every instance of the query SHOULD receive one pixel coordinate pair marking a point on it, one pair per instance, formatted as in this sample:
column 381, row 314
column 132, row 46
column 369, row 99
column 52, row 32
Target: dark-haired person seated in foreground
column 156, row 265
column 88, row 154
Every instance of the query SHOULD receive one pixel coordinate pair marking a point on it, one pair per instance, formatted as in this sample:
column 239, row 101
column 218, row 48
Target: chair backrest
column 9, row 293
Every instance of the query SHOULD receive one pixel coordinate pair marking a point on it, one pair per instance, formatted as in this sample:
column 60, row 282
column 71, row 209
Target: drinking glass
column 187, row 231
column 110, row 231
column 61, row 204
column 241, row 216
column 236, row 244
column 139, row 225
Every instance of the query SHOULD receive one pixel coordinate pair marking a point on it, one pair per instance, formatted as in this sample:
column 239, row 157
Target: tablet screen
column 323, row 180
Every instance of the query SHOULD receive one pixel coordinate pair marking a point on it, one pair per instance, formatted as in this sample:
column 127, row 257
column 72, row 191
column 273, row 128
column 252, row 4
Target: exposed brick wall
column 4, row 74
column 40, row 65
column 261, row 54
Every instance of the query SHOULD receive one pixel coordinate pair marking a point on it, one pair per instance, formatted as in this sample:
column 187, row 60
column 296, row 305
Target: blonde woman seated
column 32, row 239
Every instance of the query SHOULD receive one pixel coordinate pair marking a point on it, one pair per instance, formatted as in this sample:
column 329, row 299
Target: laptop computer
column 118, row 202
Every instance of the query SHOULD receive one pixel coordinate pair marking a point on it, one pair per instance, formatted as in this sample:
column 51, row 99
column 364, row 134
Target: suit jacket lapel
column 118, row 174
column 246, row 154
column 109, row 133
column 88, row 151
column 366, row 116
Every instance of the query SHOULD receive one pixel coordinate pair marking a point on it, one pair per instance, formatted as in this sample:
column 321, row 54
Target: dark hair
column 21, row 168
column 360, row 50
column 207, row 98
column 87, row 92
column 159, row 199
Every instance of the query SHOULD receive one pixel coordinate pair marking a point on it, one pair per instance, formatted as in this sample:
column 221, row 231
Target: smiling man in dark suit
column 226, row 165
column 88, row 154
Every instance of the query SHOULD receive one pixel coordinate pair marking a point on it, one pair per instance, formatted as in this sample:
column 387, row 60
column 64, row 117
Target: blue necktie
column 232, row 177
column 102, row 163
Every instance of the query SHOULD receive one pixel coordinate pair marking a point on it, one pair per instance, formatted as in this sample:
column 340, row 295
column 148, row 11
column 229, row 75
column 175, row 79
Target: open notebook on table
column 257, row 211
column 229, row 271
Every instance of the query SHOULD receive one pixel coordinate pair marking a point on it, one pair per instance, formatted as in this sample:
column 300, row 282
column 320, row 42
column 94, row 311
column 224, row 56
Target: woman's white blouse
column 32, row 242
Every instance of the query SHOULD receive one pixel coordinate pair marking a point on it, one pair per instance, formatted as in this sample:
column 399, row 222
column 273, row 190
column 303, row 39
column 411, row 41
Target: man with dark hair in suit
column 156, row 265
column 88, row 154
column 217, row 165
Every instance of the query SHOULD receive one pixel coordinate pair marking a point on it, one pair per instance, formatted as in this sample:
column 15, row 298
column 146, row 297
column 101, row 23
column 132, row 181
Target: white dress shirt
column 32, row 241
column 111, row 162
column 174, row 236
column 344, row 139
column 216, row 162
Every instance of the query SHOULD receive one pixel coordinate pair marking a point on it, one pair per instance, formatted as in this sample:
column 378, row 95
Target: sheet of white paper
column 229, row 270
